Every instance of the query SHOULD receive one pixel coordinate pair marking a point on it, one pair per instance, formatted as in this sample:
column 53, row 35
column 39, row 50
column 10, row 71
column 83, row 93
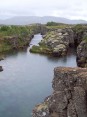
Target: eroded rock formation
column 69, row 97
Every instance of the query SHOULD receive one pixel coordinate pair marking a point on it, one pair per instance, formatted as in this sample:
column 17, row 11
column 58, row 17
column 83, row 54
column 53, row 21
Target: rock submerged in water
column 1, row 69
column 1, row 58
column 69, row 96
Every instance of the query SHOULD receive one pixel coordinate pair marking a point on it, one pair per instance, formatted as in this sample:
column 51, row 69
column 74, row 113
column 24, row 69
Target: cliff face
column 82, row 54
column 69, row 98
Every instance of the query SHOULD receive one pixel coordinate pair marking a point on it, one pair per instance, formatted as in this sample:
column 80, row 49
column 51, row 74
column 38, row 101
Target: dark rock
column 1, row 69
column 1, row 58
column 69, row 98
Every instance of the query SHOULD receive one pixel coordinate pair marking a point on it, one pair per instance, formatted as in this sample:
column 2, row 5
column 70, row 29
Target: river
column 26, row 80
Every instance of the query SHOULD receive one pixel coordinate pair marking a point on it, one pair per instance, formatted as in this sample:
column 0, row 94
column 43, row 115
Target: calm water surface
column 26, row 80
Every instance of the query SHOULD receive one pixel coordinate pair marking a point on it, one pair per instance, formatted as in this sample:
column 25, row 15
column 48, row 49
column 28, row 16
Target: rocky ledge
column 69, row 97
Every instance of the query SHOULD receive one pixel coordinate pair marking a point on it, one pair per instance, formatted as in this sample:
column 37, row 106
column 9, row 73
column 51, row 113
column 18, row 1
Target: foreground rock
column 69, row 98
column 82, row 54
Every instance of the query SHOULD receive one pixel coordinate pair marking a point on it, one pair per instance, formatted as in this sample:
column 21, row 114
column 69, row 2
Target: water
column 26, row 80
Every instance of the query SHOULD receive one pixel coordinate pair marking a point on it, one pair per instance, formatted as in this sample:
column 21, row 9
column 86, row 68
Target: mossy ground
column 42, row 49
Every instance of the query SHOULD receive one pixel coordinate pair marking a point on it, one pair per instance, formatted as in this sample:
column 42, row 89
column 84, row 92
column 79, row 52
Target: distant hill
column 24, row 20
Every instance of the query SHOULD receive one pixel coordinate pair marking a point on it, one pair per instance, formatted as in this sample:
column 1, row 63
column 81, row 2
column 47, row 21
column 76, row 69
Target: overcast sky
column 72, row 9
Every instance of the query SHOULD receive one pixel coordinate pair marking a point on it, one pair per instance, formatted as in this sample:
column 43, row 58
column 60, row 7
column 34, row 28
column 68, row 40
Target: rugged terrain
column 59, row 39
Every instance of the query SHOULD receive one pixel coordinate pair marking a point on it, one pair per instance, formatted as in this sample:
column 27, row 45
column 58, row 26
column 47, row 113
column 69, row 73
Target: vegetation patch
column 55, row 25
column 42, row 49
column 16, row 36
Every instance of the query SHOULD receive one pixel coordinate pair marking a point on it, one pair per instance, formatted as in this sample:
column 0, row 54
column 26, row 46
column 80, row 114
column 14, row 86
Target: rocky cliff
column 69, row 97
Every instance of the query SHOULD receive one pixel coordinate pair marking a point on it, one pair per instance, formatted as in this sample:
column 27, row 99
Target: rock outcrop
column 69, row 98
column 57, row 41
column 82, row 54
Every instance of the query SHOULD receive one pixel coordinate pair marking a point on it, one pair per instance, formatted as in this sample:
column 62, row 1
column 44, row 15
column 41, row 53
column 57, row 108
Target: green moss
column 41, row 49
column 79, row 28
column 85, row 39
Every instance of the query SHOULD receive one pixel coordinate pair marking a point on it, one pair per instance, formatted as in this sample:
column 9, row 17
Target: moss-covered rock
column 55, row 42
column 60, row 50
column 41, row 49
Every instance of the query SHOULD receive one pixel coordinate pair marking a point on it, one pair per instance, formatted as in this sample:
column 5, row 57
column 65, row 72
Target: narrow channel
column 26, row 80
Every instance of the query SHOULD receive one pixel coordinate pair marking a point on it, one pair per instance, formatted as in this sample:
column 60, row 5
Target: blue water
column 26, row 80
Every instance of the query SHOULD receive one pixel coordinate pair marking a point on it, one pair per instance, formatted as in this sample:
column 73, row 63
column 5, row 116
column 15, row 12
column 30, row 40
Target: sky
column 72, row 9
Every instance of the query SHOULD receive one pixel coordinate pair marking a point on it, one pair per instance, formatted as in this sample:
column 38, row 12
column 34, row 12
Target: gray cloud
column 75, row 9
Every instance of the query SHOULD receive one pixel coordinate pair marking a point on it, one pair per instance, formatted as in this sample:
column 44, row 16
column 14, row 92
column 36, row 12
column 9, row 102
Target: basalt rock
column 69, row 97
